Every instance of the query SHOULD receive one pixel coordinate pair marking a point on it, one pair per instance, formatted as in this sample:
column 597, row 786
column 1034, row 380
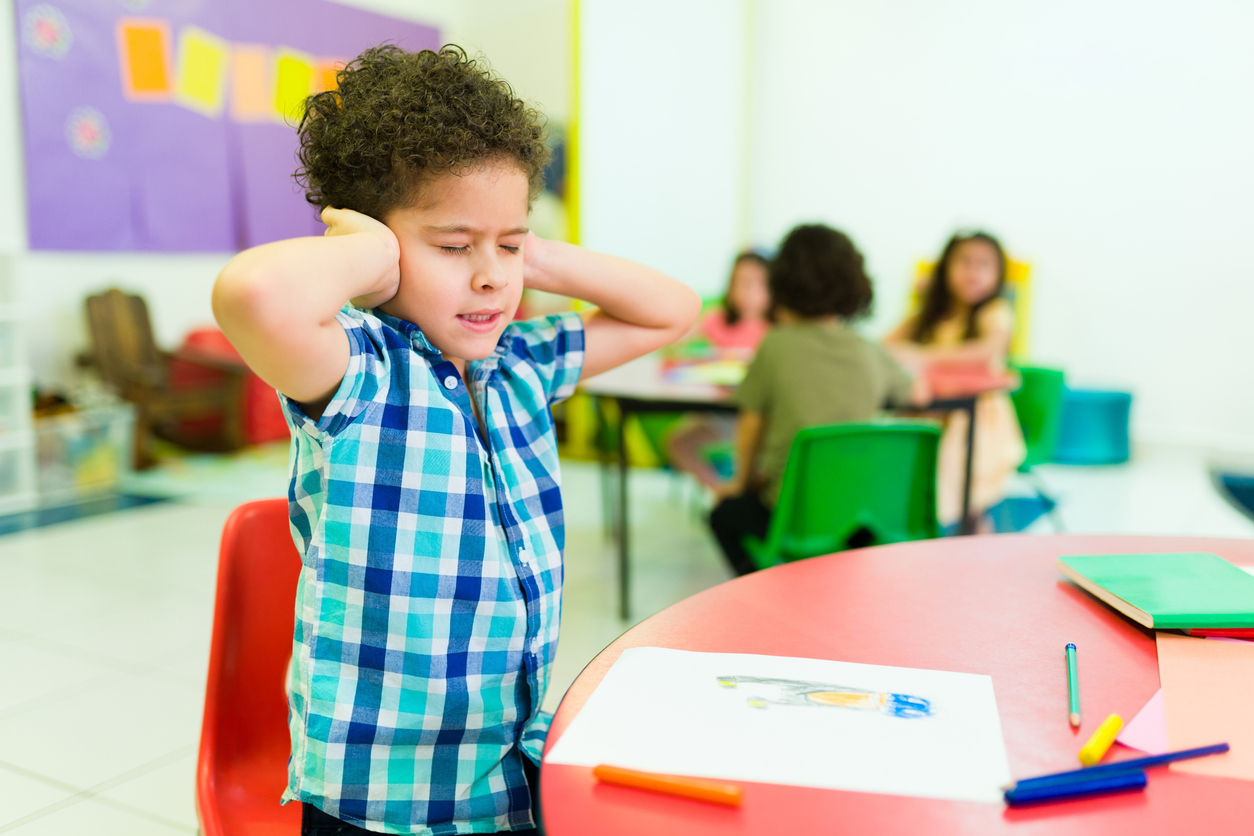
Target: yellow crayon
column 1101, row 740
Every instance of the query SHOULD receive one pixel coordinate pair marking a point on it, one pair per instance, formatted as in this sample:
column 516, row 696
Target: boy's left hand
column 535, row 252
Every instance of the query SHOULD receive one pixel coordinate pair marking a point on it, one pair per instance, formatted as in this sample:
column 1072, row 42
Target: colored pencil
column 702, row 789
column 1123, row 766
column 1035, row 794
column 1073, row 686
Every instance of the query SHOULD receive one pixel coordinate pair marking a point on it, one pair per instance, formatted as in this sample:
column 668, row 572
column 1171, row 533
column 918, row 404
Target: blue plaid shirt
column 428, row 602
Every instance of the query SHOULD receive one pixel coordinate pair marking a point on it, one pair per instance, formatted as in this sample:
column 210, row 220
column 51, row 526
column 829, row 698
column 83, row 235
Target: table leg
column 624, row 569
column 967, row 525
column 609, row 503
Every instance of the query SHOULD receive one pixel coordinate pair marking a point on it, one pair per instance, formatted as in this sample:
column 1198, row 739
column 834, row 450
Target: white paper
column 666, row 711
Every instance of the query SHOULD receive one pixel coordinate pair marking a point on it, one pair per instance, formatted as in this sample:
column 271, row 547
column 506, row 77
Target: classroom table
column 992, row 605
column 641, row 386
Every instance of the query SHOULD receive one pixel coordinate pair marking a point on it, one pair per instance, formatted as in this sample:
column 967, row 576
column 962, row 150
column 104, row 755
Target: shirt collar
column 422, row 345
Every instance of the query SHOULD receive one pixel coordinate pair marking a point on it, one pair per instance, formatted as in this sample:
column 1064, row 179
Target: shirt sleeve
column 366, row 380
column 554, row 346
column 753, row 394
column 899, row 381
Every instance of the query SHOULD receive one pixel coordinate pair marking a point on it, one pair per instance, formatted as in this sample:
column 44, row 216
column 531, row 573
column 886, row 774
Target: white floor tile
column 147, row 631
column 100, row 733
column 98, row 818
column 168, row 791
column 33, row 674
column 21, row 796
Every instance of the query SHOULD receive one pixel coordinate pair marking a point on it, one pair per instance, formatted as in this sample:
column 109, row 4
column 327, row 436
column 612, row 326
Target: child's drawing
column 763, row 692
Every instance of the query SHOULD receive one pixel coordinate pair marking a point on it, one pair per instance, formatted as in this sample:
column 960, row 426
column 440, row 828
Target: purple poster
column 168, row 124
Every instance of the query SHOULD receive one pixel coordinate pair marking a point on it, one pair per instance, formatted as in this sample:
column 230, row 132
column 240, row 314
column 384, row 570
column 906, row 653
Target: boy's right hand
column 348, row 222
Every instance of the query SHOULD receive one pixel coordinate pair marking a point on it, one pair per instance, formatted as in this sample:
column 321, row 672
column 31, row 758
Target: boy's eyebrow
column 455, row 228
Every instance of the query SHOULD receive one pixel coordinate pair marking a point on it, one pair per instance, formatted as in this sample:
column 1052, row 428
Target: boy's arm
column 277, row 302
column 639, row 309
column 750, row 428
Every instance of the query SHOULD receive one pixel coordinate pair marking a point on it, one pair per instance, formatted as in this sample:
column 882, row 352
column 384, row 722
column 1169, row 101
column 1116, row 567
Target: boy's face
column 461, row 258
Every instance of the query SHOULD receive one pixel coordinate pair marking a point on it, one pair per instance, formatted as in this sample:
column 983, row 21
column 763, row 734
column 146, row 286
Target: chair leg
column 1039, row 486
column 141, row 459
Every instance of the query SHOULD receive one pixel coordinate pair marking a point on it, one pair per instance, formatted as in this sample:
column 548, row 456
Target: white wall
column 660, row 133
column 51, row 285
column 1107, row 143
column 527, row 43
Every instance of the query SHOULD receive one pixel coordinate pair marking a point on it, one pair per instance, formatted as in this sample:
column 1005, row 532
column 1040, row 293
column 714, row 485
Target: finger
column 329, row 214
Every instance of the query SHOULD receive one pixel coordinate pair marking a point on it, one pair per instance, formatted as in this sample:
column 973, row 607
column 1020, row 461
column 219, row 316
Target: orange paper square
column 144, row 52
column 252, row 83
column 1206, row 699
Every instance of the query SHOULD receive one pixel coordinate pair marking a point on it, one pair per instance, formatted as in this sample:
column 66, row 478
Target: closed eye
column 456, row 250
column 510, row 250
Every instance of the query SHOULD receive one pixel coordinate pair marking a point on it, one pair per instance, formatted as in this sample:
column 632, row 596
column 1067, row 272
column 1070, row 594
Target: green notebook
column 1168, row 591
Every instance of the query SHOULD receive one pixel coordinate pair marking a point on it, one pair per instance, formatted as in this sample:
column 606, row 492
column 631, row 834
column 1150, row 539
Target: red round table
column 986, row 605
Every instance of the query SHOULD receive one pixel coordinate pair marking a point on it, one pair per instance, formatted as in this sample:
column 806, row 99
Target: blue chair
column 1094, row 427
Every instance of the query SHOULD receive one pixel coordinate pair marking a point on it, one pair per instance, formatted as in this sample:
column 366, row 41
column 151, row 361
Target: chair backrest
column 1018, row 292
column 121, row 336
column 842, row 479
column 244, row 746
column 1038, row 404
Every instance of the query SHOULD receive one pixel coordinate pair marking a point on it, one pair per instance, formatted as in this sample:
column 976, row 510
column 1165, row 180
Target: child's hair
column 731, row 313
column 937, row 300
column 819, row 272
column 398, row 118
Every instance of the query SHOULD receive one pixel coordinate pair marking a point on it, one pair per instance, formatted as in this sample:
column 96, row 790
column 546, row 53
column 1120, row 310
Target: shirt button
column 525, row 556
column 450, row 382
column 535, row 646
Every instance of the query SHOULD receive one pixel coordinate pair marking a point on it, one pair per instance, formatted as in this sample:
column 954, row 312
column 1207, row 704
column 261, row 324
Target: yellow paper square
column 144, row 52
column 294, row 81
column 202, row 71
column 252, row 83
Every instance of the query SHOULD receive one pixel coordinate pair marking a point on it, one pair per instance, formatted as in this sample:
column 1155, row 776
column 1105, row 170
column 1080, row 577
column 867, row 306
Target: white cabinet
column 17, row 441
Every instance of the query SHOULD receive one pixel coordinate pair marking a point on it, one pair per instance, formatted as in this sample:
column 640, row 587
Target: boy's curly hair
column 819, row 272
column 398, row 118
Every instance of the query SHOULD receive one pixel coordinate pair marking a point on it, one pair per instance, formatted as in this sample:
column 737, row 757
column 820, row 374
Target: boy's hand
column 348, row 222
column 535, row 250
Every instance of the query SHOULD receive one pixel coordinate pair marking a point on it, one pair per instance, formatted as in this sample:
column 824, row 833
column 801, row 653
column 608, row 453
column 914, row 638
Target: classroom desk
column 640, row 386
column 988, row 605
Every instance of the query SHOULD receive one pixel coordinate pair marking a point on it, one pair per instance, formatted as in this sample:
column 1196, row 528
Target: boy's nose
column 488, row 274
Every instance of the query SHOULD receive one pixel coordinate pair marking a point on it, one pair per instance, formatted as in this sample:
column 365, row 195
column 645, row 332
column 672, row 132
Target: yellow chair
column 1017, row 291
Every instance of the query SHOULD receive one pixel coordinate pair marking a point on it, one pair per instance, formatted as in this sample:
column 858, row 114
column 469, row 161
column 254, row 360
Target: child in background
column 811, row 369
column 740, row 322
column 734, row 329
column 964, row 320
column 425, row 495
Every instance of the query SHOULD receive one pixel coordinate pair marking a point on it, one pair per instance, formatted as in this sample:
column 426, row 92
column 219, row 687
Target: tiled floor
column 104, row 622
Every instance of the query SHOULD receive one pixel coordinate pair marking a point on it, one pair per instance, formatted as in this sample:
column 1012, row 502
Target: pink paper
column 1147, row 731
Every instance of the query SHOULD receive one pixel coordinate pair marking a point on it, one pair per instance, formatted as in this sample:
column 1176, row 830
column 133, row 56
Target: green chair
column 852, row 485
column 1038, row 405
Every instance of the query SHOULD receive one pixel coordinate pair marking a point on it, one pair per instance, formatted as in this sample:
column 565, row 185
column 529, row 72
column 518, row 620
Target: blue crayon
column 1123, row 766
column 1061, row 791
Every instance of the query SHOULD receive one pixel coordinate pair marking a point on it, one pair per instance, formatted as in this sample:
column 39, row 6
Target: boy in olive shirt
column 810, row 370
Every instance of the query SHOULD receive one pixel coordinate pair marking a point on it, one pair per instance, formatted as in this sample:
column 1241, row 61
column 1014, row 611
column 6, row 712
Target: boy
column 425, row 494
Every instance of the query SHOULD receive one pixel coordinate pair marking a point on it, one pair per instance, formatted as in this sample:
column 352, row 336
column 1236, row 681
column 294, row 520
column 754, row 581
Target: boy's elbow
column 687, row 311
column 240, row 298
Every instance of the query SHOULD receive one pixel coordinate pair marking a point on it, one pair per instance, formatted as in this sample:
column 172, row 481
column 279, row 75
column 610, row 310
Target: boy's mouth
column 480, row 322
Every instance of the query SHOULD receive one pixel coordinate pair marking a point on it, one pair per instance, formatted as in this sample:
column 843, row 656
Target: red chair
column 242, row 767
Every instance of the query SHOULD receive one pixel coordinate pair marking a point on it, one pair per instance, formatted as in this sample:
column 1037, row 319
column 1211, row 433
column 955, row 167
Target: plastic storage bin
column 1094, row 427
column 82, row 453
